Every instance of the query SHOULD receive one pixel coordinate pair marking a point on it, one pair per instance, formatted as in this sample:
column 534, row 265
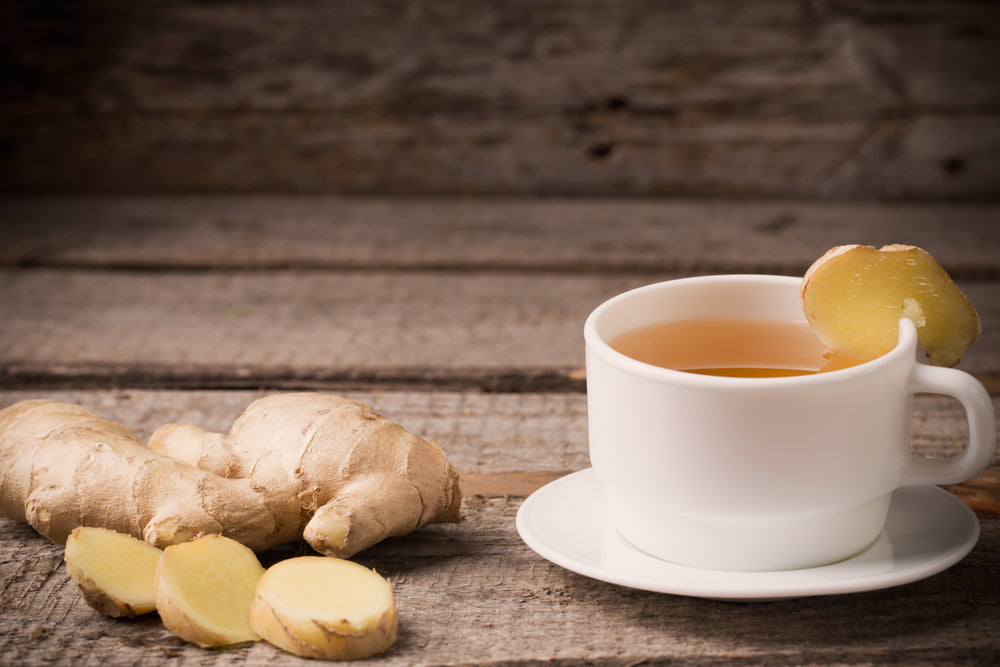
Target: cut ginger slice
column 854, row 296
column 204, row 590
column 326, row 608
column 113, row 572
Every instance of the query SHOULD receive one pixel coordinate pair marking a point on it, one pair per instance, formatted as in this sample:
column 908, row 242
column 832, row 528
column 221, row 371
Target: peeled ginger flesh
column 324, row 607
column 204, row 590
column 854, row 296
column 213, row 592
column 113, row 572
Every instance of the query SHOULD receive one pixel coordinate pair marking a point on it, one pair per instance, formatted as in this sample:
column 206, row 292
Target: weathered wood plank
column 534, row 437
column 244, row 328
column 775, row 98
column 482, row 433
column 474, row 593
column 925, row 158
column 332, row 320
column 981, row 493
column 594, row 235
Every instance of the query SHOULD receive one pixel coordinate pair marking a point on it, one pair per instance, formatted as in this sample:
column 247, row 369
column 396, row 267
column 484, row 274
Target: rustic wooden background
column 766, row 98
column 416, row 203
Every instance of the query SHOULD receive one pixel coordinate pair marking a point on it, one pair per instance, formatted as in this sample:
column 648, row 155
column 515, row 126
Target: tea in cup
column 726, row 437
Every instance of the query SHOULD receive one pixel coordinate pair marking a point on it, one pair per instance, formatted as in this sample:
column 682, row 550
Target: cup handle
column 982, row 427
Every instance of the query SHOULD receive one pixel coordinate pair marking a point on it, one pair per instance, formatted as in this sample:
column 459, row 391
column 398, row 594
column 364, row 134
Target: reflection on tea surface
column 732, row 347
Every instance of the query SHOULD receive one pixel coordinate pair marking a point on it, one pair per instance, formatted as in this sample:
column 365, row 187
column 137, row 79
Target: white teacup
column 757, row 474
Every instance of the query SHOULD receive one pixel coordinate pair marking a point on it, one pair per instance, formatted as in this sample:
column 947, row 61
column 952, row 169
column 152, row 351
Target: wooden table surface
column 462, row 319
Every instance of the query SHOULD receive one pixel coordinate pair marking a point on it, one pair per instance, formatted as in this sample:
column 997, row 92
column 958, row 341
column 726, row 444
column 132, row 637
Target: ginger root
column 113, row 572
column 325, row 608
column 204, row 590
column 854, row 296
column 293, row 465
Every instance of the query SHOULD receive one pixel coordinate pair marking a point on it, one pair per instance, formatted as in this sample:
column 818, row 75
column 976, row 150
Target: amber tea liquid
column 731, row 347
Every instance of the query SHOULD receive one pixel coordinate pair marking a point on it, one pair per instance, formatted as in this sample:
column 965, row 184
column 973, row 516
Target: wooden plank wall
column 769, row 98
column 123, row 312
column 417, row 203
column 241, row 292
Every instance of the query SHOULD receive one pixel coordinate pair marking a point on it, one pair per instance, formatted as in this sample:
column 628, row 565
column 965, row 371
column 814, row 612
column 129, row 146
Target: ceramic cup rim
column 594, row 342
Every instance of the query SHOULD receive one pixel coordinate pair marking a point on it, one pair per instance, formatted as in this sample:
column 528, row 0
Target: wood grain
column 451, row 293
column 775, row 98
column 503, row 444
column 307, row 327
column 461, row 319
column 462, row 589
column 578, row 235
column 981, row 493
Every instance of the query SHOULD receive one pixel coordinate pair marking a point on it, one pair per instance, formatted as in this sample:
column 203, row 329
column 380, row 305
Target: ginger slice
column 854, row 296
column 325, row 607
column 204, row 590
column 112, row 571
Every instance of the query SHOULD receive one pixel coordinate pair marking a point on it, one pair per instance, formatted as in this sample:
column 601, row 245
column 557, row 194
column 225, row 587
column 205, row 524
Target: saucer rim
column 740, row 586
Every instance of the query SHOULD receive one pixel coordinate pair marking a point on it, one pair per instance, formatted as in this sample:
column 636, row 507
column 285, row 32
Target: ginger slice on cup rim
column 854, row 296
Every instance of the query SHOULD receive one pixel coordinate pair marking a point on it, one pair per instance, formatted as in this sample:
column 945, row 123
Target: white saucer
column 928, row 530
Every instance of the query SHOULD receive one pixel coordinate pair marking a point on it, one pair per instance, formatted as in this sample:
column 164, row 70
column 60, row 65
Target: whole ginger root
column 294, row 465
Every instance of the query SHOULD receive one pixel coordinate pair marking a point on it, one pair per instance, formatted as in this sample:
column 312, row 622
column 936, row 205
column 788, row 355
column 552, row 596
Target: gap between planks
column 981, row 493
column 97, row 375
column 200, row 376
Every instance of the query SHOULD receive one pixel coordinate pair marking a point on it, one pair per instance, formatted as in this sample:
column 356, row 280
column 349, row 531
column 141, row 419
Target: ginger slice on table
column 112, row 571
column 204, row 590
column 854, row 296
column 325, row 608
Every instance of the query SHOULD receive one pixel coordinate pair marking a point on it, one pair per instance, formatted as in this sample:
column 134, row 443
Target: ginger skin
column 296, row 465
